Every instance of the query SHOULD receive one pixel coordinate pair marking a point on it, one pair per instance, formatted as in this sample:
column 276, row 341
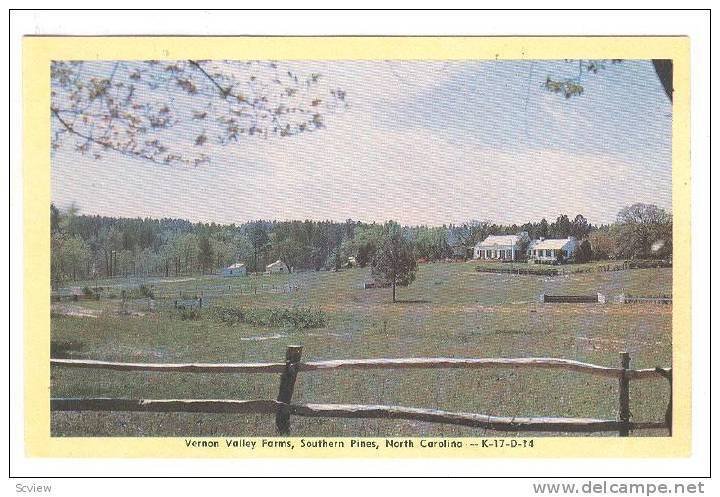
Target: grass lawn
column 451, row 310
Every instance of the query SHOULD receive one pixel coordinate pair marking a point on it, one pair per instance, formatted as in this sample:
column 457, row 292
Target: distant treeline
column 86, row 246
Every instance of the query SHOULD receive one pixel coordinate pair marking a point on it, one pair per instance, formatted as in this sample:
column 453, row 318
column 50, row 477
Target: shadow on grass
column 65, row 349
column 410, row 301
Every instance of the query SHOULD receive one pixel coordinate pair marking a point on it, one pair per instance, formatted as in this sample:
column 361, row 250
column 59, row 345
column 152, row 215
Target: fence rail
column 399, row 363
column 254, row 367
column 283, row 407
column 217, row 406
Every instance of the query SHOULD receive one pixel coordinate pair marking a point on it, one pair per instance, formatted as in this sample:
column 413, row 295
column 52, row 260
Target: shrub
column 146, row 291
column 189, row 314
column 141, row 292
column 297, row 317
column 229, row 315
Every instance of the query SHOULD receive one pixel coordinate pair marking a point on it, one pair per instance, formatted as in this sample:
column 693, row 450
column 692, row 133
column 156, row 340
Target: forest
column 94, row 246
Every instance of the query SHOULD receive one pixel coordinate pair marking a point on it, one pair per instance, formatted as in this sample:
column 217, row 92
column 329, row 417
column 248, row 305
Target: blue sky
column 421, row 142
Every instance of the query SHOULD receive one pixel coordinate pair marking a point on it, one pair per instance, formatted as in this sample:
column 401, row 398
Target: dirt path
column 75, row 311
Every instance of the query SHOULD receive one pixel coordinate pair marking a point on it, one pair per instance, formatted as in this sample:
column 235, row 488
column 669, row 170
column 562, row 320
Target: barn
column 237, row 269
column 277, row 267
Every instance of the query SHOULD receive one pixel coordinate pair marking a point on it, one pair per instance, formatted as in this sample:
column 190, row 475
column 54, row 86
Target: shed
column 237, row 269
column 277, row 267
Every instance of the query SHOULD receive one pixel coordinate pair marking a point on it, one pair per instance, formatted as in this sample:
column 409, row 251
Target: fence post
column 669, row 411
column 624, row 412
column 667, row 374
column 287, row 384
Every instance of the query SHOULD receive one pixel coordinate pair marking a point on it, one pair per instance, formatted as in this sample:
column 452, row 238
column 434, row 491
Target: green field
column 450, row 311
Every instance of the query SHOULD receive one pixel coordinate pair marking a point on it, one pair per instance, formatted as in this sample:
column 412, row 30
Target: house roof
column 276, row 263
column 237, row 265
column 550, row 244
column 493, row 240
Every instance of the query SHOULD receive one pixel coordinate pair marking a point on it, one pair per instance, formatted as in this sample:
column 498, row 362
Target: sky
column 421, row 142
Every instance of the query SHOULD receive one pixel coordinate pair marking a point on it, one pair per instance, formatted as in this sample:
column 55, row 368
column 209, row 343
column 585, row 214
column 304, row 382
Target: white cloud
column 364, row 166
column 414, row 176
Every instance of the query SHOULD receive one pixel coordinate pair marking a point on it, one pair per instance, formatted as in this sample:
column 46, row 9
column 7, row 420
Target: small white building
column 552, row 251
column 277, row 267
column 501, row 247
column 237, row 269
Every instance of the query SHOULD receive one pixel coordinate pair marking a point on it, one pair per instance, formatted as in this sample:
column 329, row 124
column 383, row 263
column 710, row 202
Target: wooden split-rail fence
column 283, row 407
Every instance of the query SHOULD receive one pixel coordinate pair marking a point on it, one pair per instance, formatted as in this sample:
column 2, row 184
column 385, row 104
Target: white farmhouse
column 277, row 267
column 237, row 269
column 552, row 251
column 501, row 247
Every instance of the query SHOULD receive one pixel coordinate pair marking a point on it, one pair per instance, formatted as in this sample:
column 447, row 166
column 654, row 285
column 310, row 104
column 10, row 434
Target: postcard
column 425, row 247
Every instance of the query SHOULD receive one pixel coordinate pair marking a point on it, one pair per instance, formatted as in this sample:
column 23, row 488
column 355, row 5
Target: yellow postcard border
column 39, row 51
